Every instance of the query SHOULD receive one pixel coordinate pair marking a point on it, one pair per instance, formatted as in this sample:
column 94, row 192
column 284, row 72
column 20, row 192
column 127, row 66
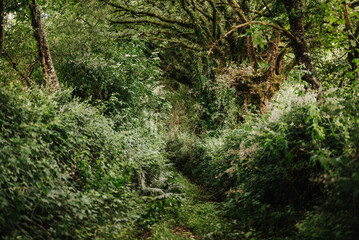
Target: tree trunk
column 43, row 47
column 299, row 43
column 251, row 53
column 258, row 88
column 353, row 37
column 2, row 24
column 273, row 80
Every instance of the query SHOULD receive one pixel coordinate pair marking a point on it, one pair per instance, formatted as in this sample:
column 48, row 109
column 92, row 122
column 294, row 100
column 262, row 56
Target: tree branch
column 140, row 21
column 40, row 226
column 271, row 13
column 25, row 79
column 250, row 47
column 197, row 27
column 189, row 13
column 179, row 43
column 279, row 60
column 150, row 14
column 32, row 68
column 234, row 5
column 353, row 4
column 200, row 10
column 214, row 19
column 247, row 24
column 268, row 9
column 346, row 16
column 2, row 24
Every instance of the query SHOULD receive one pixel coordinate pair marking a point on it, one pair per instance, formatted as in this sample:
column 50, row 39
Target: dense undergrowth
column 291, row 173
column 66, row 172
column 101, row 160
column 75, row 170
column 70, row 172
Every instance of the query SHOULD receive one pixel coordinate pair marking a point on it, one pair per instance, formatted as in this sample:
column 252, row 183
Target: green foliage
column 327, row 224
column 164, row 232
column 300, row 157
column 97, row 167
column 191, row 215
column 210, row 106
column 89, row 57
column 20, row 45
column 65, row 171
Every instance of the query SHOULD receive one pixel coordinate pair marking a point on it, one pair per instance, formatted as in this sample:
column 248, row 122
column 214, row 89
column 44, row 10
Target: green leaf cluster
column 66, row 173
column 289, row 173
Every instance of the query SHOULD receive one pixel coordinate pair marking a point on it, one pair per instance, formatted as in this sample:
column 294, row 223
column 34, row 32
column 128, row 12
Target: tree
column 25, row 75
column 43, row 47
column 19, row 13
column 2, row 24
column 353, row 36
column 186, row 30
column 294, row 9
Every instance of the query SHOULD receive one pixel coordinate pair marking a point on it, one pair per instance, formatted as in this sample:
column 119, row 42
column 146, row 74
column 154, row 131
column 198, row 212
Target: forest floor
column 199, row 215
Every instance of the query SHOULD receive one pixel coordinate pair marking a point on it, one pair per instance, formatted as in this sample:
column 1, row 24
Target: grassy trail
column 195, row 216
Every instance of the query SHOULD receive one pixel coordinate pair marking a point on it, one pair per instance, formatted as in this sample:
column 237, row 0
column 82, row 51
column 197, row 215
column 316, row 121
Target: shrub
column 65, row 172
column 296, row 163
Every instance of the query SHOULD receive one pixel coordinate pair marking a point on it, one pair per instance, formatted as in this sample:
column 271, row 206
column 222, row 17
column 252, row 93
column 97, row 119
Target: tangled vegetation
column 66, row 172
column 179, row 119
column 289, row 173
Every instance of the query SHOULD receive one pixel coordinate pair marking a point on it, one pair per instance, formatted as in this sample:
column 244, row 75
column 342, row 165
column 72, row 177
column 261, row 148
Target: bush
column 327, row 224
column 299, row 158
column 65, row 172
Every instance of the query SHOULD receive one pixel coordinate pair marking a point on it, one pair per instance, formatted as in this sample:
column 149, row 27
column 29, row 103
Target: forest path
column 196, row 216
